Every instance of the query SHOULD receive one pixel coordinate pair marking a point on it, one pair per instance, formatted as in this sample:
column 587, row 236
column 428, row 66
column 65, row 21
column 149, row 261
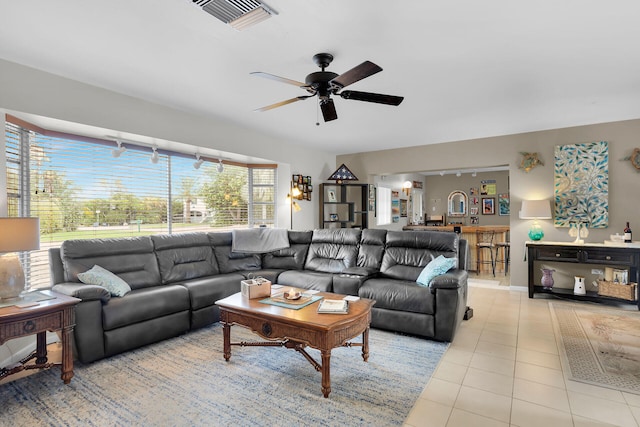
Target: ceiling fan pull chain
column 317, row 114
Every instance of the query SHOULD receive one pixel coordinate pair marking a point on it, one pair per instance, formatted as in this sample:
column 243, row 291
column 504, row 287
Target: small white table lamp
column 16, row 235
column 535, row 210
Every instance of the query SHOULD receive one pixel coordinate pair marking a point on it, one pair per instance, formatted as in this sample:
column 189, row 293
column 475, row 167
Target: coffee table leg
column 326, row 372
column 226, row 332
column 365, row 344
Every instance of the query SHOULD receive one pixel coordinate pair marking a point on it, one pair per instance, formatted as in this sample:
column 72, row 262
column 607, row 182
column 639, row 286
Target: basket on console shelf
column 618, row 290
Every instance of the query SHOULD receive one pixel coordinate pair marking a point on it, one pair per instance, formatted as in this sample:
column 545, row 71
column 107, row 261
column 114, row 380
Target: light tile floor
column 503, row 369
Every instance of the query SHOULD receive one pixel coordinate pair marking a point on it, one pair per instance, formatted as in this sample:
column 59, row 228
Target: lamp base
column 536, row 233
column 11, row 276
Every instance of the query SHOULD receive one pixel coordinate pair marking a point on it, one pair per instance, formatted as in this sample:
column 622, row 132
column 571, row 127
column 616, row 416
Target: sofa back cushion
column 184, row 256
column 293, row 257
column 408, row 252
column 130, row 258
column 371, row 248
column 333, row 250
column 230, row 262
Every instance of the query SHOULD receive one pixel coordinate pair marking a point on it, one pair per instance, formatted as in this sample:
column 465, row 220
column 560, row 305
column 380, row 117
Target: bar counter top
column 464, row 228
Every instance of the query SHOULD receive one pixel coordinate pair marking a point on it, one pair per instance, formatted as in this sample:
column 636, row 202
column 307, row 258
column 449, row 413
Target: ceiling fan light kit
column 323, row 84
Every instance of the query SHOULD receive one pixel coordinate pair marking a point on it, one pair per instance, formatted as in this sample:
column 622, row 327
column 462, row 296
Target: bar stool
column 484, row 243
column 506, row 253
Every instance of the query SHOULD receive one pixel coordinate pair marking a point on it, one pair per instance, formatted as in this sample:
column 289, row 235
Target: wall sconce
column 406, row 187
column 535, row 210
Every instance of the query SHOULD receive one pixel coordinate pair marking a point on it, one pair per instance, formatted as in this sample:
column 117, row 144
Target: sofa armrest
column 82, row 291
column 450, row 280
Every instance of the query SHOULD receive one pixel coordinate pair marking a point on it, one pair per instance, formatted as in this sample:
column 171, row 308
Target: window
column 79, row 189
column 383, row 206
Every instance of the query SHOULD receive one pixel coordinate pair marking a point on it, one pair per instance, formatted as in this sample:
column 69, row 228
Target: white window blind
column 79, row 190
column 383, row 206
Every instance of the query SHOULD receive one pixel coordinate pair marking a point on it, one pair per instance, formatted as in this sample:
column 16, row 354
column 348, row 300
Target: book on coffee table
column 336, row 306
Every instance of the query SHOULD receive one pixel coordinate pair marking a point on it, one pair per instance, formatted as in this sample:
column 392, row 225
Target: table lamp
column 16, row 234
column 535, row 210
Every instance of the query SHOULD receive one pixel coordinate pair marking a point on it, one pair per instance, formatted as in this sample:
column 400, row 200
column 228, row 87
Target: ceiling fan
column 326, row 83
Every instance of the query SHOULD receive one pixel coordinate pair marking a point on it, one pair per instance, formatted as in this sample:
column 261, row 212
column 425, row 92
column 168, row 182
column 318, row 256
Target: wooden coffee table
column 297, row 329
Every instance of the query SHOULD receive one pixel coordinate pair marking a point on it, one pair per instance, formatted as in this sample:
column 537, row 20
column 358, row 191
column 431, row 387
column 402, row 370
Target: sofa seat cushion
column 205, row 291
column 144, row 304
column 307, row 280
column 400, row 295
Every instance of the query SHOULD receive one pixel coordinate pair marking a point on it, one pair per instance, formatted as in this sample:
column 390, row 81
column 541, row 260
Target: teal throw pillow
column 102, row 277
column 435, row 268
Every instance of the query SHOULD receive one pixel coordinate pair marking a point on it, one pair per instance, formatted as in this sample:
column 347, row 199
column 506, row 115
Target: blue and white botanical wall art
column 582, row 184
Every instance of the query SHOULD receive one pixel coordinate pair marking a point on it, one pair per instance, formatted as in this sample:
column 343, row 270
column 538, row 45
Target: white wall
column 24, row 89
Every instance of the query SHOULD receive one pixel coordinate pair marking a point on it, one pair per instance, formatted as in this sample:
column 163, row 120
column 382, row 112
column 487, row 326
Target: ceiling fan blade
column 281, row 103
column 366, row 69
column 278, row 78
column 328, row 110
column 378, row 98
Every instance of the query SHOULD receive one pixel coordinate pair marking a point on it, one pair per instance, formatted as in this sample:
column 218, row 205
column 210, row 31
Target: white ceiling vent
column 240, row 14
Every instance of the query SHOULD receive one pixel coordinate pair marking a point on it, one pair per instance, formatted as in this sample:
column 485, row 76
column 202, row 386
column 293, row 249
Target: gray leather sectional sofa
column 176, row 280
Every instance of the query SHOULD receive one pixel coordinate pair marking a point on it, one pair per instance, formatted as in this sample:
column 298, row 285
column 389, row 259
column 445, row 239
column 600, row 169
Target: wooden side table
column 56, row 314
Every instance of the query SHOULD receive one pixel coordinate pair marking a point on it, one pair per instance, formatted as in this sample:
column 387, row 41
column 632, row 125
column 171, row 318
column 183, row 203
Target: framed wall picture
column 488, row 205
column 372, row 205
column 473, row 211
column 503, row 204
column 372, row 191
column 475, row 220
column 488, row 189
column 403, row 208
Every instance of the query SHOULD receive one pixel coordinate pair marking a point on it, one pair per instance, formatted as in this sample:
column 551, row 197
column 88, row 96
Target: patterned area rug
column 185, row 381
column 600, row 345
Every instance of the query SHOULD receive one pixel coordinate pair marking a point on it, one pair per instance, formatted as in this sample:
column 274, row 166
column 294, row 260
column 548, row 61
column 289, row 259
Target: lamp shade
column 535, row 209
column 19, row 234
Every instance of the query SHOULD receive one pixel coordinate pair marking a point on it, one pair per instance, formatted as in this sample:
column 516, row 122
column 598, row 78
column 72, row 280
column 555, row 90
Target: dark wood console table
column 587, row 254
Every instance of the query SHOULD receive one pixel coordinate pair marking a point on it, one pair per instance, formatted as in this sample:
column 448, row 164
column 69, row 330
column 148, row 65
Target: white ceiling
column 466, row 68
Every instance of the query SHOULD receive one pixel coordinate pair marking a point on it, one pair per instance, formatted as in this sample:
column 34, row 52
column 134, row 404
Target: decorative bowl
column 292, row 295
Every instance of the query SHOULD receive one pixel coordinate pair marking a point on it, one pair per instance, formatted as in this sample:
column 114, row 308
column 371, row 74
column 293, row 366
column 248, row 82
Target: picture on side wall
column 473, row 211
column 372, row 205
column 488, row 188
column 475, row 220
column 581, row 182
column 403, row 208
column 473, row 191
column 474, row 200
column 395, row 207
column 488, row 205
column 504, row 208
